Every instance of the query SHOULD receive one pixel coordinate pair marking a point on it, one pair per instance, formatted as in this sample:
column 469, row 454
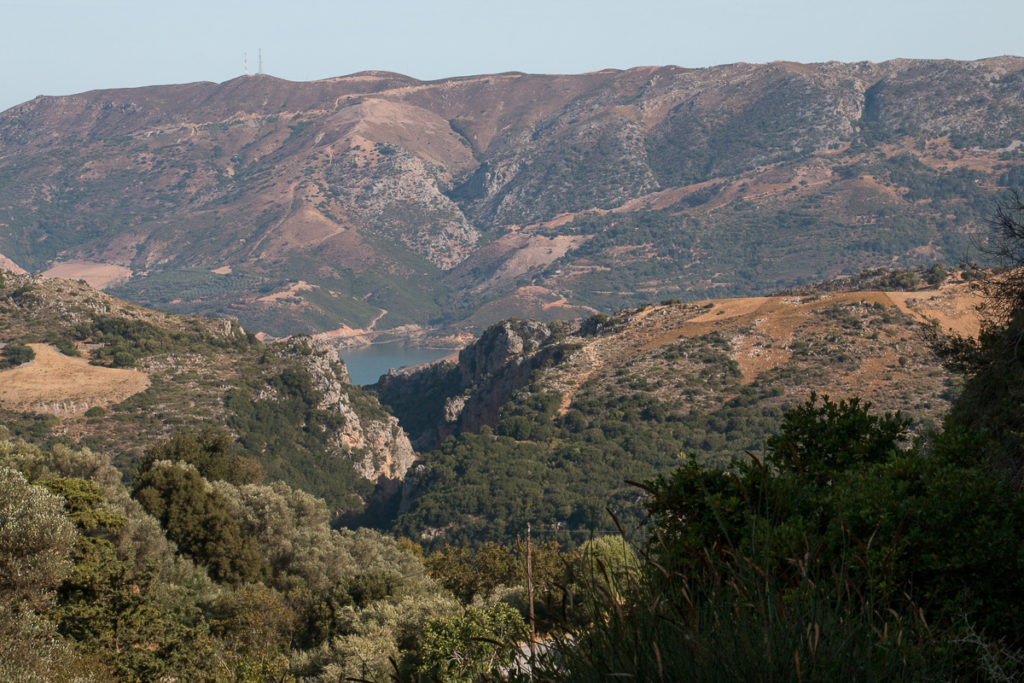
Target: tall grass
column 738, row 611
column 747, row 628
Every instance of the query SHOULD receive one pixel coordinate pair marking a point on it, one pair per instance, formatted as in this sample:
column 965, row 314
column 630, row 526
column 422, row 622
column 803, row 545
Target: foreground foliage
column 846, row 554
column 205, row 579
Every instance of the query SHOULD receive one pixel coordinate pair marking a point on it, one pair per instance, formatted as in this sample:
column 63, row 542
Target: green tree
column 494, row 570
column 197, row 518
column 468, row 572
column 818, row 442
column 465, row 647
column 210, row 451
column 123, row 619
column 255, row 626
column 33, row 651
column 15, row 354
column 36, row 538
column 993, row 364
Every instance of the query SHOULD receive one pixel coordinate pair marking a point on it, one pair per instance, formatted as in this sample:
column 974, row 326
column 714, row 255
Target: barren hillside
column 440, row 207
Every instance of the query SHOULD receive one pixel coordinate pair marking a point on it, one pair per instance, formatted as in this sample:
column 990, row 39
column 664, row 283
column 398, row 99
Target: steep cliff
column 370, row 438
column 445, row 398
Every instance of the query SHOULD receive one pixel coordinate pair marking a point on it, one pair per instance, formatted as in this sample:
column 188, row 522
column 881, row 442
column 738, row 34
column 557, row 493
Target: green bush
column 468, row 646
column 14, row 354
column 67, row 347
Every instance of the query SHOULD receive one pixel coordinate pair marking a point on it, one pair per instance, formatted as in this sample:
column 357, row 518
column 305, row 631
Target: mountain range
column 377, row 206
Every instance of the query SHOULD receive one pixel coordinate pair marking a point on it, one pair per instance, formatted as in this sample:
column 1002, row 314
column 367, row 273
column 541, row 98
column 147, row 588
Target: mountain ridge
column 454, row 203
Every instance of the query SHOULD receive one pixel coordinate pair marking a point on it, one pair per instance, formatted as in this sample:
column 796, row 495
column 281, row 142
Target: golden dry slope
column 65, row 386
column 762, row 332
column 98, row 275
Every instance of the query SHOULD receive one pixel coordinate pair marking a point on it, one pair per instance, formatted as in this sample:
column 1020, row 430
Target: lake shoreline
column 367, row 363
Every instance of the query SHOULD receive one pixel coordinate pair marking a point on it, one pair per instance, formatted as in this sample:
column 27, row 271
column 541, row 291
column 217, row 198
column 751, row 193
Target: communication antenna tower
column 261, row 61
column 245, row 62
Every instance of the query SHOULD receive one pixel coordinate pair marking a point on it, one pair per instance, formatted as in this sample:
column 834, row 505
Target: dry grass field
column 98, row 275
column 65, row 386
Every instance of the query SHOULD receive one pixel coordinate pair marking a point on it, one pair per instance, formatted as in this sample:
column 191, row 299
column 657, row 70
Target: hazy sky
column 57, row 47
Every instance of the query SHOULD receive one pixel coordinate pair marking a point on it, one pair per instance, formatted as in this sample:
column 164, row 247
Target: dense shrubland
column 220, row 582
column 561, row 467
column 846, row 551
column 201, row 573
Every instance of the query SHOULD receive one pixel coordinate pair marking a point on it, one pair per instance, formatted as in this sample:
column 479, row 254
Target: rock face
column 371, row 439
column 398, row 203
column 446, row 397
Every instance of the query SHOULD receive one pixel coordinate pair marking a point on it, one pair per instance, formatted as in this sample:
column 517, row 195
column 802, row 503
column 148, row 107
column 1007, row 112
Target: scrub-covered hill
column 84, row 367
column 551, row 427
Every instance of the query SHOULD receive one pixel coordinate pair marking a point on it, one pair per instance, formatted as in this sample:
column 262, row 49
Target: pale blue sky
column 58, row 47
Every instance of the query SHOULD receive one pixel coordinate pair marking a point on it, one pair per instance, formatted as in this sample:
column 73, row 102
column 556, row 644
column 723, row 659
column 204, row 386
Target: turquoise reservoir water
column 367, row 363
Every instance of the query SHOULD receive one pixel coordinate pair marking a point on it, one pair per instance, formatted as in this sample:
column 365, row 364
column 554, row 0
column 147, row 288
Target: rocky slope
column 376, row 445
column 548, row 431
column 826, row 338
column 445, row 398
column 378, row 203
column 119, row 377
